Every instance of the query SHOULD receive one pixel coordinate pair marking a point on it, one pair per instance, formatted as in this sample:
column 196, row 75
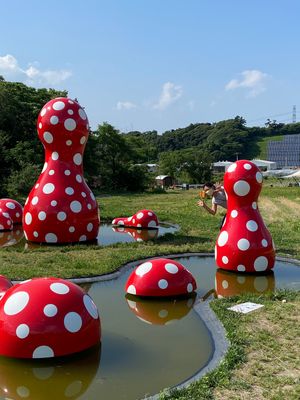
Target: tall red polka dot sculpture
column 61, row 208
column 244, row 243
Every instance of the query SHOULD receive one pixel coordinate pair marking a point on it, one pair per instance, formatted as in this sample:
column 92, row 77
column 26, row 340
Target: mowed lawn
column 280, row 208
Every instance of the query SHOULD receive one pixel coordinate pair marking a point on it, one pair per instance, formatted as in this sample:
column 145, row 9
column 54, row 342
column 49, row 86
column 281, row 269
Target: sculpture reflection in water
column 228, row 284
column 160, row 311
column 10, row 238
column 60, row 378
column 139, row 235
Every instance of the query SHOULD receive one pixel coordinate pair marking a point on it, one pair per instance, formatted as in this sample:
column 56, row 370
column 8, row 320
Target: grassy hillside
column 263, row 145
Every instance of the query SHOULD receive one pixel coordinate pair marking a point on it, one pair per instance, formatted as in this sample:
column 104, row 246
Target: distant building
column 263, row 165
column 164, row 181
column 150, row 167
column 286, row 152
column 221, row 166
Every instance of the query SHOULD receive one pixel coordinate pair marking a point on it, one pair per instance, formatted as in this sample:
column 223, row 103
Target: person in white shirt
column 218, row 198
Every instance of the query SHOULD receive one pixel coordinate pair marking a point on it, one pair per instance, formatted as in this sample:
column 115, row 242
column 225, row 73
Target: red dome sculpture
column 4, row 285
column 13, row 208
column 139, row 235
column 160, row 277
column 244, row 243
column 47, row 317
column 61, row 208
column 6, row 223
column 142, row 219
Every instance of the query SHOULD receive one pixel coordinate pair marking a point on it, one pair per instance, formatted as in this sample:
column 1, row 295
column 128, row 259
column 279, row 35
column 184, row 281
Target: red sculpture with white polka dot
column 141, row 219
column 13, row 208
column 46, row 317
column 244, row 243
column 160, row 277
column 61, row 208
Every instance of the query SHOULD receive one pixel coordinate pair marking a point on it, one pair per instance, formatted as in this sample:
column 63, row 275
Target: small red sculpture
column 160, row 277
column 47, row 317
column 61, row 208
column 139, row 235
column 244, row 243
column 13, row 209
column 141, row 219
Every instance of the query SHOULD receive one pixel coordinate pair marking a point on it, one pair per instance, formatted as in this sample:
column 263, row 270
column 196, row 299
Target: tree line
column 115, row 161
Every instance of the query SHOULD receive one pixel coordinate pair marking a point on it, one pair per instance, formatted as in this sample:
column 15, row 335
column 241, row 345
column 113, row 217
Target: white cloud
column 170, row 93
column 253, row 80
column 125, row 105
column 32, row 75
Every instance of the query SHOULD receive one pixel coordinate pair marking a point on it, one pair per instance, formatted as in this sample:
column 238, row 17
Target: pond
column 147, row 345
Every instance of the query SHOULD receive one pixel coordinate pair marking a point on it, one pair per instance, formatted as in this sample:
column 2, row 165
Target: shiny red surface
column 13, row 208
column 141, row 219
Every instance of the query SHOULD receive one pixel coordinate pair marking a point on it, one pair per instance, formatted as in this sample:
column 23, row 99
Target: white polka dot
column 70, row 101
column 53, row 203
column 92, row 196
column 225, row 260
column 241, row 188
column 73, row 322
column 10, row 205
column 37, row 185
column 55, row 156
column 54, row 120
column 59, row 288
column 264, row 243
column 83, row 140
column 232, row 167
column 140, row 215
column 243, row 244
column 22, row 331
column 247, row 166
column 58, row 105
column 44, row 168
column 131, row 289
column 216, row 253
column 67, row 172
column 48, row 137
column 16, row 303
column 51, row 172
column 48, row 188
column 51, row 238
column 40, row 125
column 143, row 269
column 42, row 215
column 61, row 216
column 28, row 218
column 34, row 200
column 189, row 287
column 252, row 226
column 78, row 178
column 82, row 114
column 150, row 213
column 70, row 112
column 77, row 159
column 75, row 206
column 234, row 213
column 261, row 263
column 89, row 227
column 70, row 124
column 254, row 205
column 43, row 112
column 69, row 191
column 225, row 284
column 71, row 229
column 152, row 224
column 171, row 268
column 83, row 194
column 50, row 310
column 162, row 284
column 69, row 142
column 223, row 237
column 43, row 352
column 241, row 268
column 90, row 306
column 259, row 177
column 82, row 238
column 17, row 215
column 35, row 234
column 89, row 207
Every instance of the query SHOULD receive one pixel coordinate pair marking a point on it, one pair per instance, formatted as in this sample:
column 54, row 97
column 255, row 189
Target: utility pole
column 294, row 114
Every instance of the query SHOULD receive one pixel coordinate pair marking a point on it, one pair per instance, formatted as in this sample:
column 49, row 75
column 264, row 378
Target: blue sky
column 159, row 64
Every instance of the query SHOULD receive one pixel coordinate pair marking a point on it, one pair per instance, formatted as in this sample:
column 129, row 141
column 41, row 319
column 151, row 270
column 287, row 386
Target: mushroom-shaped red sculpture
column 160, row 277
column 47, row 317
column 160, row 312
column 13, row 208
column 4, row 285
column 139, row 235
column 244, row 243
column 6, row 223
column 142, row 219
column 228, row 284
column 61, row 208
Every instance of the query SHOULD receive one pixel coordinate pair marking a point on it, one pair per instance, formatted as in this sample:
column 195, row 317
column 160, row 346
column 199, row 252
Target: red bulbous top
column 160, row 277
column 13, row 208
column 47, row 317
column 141, row 219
